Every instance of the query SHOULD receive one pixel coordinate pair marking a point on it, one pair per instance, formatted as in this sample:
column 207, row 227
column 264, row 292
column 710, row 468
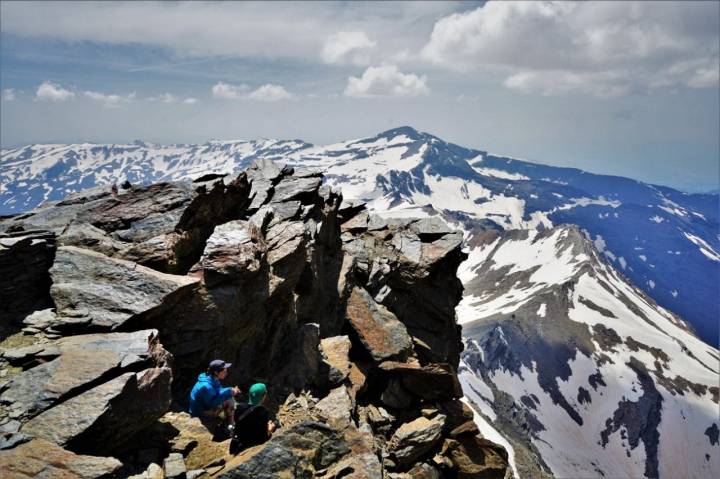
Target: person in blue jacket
column 208, row 399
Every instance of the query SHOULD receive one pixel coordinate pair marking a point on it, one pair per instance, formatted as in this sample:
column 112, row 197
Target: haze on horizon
column 621, row 88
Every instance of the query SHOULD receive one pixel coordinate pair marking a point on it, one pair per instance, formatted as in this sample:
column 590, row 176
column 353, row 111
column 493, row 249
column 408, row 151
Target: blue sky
column 619, row 87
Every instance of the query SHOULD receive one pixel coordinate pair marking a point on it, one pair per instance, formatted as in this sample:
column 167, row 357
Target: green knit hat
column 257, row 393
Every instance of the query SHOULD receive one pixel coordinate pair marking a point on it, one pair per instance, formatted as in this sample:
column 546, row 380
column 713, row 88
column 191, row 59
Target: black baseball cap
column 218, row 365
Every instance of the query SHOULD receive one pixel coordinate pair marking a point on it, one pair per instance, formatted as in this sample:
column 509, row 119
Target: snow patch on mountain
column 705, row 248
column 600, row 380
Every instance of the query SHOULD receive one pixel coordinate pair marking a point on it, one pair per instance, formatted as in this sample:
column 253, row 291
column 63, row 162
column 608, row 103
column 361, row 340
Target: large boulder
column 79, row 363
column 473, row 457
column 415, row 438
column 336, row 408
column 300, row 451
column 231, row 253
column 336, row 358
column 98, row 420
column 45, row 460
column 379, row 330
column 93, row 291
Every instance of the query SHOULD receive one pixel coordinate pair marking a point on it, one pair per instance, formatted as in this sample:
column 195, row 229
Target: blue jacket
column 207, row 394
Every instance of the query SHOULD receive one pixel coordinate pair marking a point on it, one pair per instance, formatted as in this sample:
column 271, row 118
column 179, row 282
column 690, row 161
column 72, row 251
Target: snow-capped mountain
column 36, row 174
column 665, row 241
column 573, row 359
column 583, row 374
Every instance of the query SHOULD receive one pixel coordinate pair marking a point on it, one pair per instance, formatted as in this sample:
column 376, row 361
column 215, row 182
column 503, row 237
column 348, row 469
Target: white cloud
column 386, row 80
column 48, row 91
column 8, row 94
column 270, row 92
column 600, row 48
column 229, row 92
column 169, row 98
column 110, row 100
column 704, row 78
column 344, row 47
column 267, row 92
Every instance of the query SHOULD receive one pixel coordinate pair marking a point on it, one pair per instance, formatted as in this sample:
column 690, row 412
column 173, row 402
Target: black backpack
column 242, row 412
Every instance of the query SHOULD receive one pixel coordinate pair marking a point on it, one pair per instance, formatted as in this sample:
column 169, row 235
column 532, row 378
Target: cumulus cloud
column 190, row 101
column 109, row 100
column 386, row 80
column 348, row 47
column 8, row 94
column 227, row 91
column 267, row 92
column 600, row 48
column 270, row 92
column 53, row 92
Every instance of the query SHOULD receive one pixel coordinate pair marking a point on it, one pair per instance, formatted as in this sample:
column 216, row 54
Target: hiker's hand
column 236, row 390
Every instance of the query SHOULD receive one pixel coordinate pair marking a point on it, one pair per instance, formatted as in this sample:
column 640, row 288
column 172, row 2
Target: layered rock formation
column 121, row 298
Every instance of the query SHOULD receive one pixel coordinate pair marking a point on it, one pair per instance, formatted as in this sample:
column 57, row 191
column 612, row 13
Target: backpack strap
column 245, row 414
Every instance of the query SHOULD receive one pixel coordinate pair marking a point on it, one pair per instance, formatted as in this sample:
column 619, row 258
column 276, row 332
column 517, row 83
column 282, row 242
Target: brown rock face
column 379, row 330
column 336, row 357
column 476, row 458
column 413, row 439
column 40, row 458
column 351, row 326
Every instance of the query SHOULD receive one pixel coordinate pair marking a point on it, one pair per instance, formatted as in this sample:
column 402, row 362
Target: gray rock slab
column 105, row 292
column 293, row 188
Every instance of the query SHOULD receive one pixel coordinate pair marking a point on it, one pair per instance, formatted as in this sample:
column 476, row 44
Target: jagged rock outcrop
column 348, row 317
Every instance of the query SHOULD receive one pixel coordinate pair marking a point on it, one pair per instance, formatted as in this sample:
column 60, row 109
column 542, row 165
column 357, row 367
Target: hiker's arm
column 225, row 394
column 271, row 428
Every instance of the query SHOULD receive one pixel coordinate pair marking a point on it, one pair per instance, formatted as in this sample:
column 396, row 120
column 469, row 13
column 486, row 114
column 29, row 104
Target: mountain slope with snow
column 35, row 174
column 582, row 372
column 665, row 241
column 573, row 358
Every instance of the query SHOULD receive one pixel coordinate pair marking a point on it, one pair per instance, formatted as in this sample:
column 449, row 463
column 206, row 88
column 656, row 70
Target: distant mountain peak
column 408, row 131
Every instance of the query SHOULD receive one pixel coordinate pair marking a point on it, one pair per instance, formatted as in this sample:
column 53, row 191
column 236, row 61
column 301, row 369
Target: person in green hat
column 252, row 420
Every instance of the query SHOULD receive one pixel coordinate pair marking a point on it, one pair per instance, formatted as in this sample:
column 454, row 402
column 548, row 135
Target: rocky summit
column 112, row 301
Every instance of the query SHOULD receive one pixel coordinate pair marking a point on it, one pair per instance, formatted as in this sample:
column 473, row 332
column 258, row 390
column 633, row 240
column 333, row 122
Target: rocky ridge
column 113, row 302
